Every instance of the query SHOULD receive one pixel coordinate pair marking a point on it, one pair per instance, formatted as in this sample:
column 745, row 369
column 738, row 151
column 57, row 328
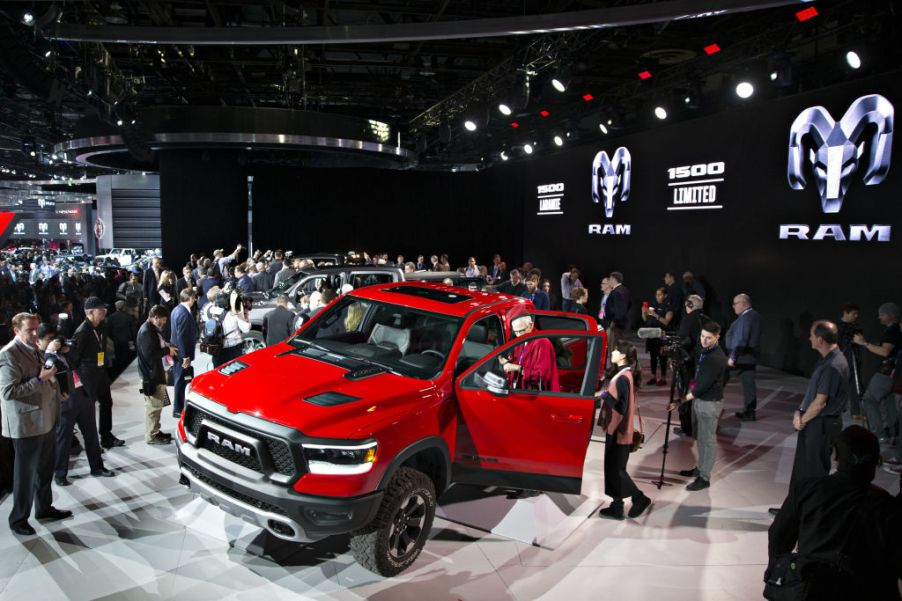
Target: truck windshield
column 406, row 341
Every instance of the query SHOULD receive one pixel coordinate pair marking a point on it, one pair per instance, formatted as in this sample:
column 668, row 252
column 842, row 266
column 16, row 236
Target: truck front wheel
column 395, row 537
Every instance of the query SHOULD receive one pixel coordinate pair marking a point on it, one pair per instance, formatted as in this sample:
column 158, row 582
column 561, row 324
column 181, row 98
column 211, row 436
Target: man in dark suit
column 184, row 337
column 87, row 358
column 186, row 281
column 278, row 323
column 744, row 348
column 616, row 310
column 30, row 398
column 152, row 350
column 151, row 282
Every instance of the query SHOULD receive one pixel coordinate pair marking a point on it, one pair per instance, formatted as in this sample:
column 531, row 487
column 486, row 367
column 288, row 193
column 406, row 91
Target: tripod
column 677, row 391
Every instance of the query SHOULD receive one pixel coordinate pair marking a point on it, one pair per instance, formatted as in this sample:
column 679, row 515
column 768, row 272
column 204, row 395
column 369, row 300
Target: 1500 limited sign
column 695, row 187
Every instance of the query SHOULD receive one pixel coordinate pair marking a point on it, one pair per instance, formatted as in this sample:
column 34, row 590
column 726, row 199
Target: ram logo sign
column 861, row 141
column 611, row 179
column 836, row 150
column 231, row 445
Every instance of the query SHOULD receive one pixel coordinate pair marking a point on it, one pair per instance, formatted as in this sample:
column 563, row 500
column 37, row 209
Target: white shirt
column 232, row 329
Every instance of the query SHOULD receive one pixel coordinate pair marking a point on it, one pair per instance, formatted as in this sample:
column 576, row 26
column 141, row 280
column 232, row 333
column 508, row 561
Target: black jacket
column 121, row 327
column 691, row 329
column 150, row 283
column 710, row 374
column 87, row 343
column 150, row 355
column 277, row 325
column 616, row 309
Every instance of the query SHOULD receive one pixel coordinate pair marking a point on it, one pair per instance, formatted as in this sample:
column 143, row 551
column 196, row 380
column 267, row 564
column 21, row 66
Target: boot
column 614, row 511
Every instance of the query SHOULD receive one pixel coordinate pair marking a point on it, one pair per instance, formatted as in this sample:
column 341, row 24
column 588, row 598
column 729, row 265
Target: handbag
column 638, row 435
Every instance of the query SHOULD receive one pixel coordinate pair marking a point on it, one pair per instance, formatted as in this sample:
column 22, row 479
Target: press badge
column 100, row 359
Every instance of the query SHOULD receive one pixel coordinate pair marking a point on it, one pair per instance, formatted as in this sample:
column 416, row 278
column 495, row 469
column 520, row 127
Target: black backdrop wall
column 742, row 160
column 734, row 248
column 460, row 214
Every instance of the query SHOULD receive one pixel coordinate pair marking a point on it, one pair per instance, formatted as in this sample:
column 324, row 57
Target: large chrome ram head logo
column 835, row 150
column 611, row 179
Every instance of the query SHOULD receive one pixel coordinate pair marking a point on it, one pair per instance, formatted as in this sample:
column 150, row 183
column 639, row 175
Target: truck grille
column 279, row 451
column 247, row 500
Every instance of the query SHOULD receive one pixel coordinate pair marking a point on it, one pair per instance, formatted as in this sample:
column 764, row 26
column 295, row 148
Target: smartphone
column 645, row 305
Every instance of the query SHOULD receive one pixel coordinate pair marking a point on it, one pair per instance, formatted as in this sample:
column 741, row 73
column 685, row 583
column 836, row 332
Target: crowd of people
column 66, row 331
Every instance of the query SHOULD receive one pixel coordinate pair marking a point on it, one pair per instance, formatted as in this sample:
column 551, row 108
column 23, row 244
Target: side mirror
column 495, row 384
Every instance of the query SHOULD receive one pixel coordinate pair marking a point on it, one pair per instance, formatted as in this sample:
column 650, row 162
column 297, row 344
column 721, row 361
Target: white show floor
column 131, row 537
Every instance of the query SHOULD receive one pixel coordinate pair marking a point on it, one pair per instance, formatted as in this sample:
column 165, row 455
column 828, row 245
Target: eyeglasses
column 520, row 332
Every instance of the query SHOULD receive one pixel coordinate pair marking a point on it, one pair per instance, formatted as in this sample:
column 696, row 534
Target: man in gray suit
column 744, row 346
column 278, row 323
column 30, row 398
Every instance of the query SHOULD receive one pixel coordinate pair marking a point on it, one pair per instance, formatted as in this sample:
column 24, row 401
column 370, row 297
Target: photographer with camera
column 657, row 315
column 235, row 325
column 849, row 326
column 689, row 333
column 706, row 396
column 154, row 360
column 878, row 401
column 76, row 409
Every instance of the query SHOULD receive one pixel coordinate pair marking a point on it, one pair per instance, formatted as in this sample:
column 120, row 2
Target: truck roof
column 434, row 296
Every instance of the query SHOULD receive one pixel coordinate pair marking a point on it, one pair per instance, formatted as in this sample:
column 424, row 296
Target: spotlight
column 774, row 75
column 853, row 59
column 527, row 148
column 610, row 122
column 28, row 18
column 133, row 121
column 660, row 112
column 470, row 125
column 559, row 140
column 744, row 89
column 54, row 156
column 119, row 122
column 32, row 153
column 90, row 92
column 504, row 109
column 603, row 128
column 48, row 53
column 559, row 85
column 504, row 156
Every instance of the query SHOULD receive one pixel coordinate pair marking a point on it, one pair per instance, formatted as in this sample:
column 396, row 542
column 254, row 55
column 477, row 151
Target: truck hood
column 277, row 380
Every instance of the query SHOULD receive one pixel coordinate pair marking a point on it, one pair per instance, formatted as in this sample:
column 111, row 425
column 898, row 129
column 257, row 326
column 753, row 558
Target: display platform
column 143, row 536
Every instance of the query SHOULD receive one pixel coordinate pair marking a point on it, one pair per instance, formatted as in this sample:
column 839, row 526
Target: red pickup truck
column 358, row 422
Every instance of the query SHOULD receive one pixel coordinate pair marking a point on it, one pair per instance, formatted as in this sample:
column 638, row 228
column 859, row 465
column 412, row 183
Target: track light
column 28, row 18
column 32, row 153
column 133, row 121
column 504, row 156
column 660, row 112
column 774, row 75
column 559, row 85
column 527, row 148
column 603, row 128
column 119, row 122
column 853, row 59
column 559, row 141
column 504, row 109
column 745, row 89
column 48, row 53
column 470, row 125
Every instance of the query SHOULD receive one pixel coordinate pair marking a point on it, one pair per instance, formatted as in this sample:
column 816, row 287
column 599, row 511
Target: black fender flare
column 424, row 444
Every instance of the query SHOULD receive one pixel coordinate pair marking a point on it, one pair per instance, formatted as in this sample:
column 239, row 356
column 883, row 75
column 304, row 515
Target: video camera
column 672, row 343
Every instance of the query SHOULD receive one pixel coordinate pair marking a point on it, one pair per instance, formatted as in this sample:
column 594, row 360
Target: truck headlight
column 338, row 459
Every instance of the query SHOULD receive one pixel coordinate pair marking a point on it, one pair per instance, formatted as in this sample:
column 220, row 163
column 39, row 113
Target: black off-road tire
column 377, row 546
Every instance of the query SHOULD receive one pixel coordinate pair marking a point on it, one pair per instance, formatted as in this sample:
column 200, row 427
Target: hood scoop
column 331, row 399
column 365, row 372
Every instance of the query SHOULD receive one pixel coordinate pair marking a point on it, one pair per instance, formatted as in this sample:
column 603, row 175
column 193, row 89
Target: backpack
column 211, row 334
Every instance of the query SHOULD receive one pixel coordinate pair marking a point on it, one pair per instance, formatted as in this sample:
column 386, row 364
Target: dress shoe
column 640, row 504
column 109, row 443
column 23, row 529
column 103, row 473
column 746, row 416
column 613, row 512
column 690, row 473
column 773, row 510
column 61, row 481
column 54, row 514
column 698, row 484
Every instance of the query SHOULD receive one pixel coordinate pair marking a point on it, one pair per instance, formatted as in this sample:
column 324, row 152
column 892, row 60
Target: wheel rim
column 407, row 526
column 251, row 345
